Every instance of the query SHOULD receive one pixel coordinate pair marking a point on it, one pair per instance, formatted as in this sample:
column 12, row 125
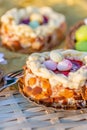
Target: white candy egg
column 56, row 56
column 50, row 64
column 64, row 65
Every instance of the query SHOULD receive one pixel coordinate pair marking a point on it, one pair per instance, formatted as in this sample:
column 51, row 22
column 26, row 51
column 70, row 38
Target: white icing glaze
column 74, row 80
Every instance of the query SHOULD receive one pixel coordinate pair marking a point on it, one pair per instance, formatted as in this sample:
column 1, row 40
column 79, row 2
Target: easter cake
column 57, row 78
column 77, row 36
column 32, row 29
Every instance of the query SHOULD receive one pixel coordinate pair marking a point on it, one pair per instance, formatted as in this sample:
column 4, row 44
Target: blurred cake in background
column 77, row 36
column 32, row 29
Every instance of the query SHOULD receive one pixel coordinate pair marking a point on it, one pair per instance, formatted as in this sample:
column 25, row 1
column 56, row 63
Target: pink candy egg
column 64, row 65
column 50, row 65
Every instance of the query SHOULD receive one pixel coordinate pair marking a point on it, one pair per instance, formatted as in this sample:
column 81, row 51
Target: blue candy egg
column 34, row 24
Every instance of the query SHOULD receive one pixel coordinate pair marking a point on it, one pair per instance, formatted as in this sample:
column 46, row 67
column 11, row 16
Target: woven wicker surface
column 16, row 113
column 70, row 38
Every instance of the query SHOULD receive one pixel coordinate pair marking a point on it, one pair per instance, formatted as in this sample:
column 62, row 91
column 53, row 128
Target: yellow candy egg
column 36, row 17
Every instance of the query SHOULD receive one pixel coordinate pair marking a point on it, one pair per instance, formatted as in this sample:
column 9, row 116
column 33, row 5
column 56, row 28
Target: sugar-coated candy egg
column 34, row 24
column 64, row 65
column 81, row 33
column 56, row 56
column 36, row 17
column 50, row 65
column 81, row 46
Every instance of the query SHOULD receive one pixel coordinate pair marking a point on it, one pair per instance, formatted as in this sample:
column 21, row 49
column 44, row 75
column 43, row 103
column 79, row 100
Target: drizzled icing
column 74, row 79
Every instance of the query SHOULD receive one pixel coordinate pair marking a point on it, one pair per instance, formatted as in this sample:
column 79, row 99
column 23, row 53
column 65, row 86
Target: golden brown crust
column 52, row 102
column 44, row 97
column 46, row 43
